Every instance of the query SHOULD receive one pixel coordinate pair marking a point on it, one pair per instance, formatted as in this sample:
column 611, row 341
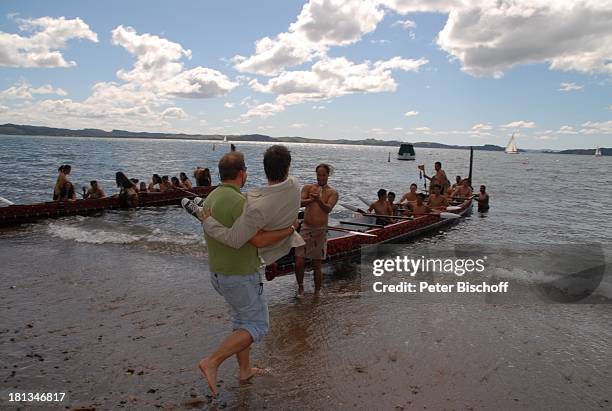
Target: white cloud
column 228, row 104
column 42, row 48
column 323, row 107
column 519, row 124
column 413, row 6
column 158, row 67
column 264, row 110
column 424, row 130
column 297, row 125
column 24, row 91
column 321, row 24
column 593, row 127
column 145, row 95
column 405, row 24
column 570, row 87
column 567, row 130
column 174, row 112
column 411, row 113
column 481, row 127
column 329, row 78
column 490, row 36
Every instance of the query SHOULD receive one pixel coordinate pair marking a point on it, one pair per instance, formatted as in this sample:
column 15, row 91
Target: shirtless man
column 439, row 178
column 381, row 207
column 155, row 183
column 411, row 196
column 456, row 184
column 391, row 200
column 463, row 191
column 436, row 200
column 483, row 200
column 419, row 209
column 94, row 192
column 165, row 185
column 319, row 200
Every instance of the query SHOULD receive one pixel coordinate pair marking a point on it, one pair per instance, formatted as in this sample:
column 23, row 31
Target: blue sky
column 451, row 71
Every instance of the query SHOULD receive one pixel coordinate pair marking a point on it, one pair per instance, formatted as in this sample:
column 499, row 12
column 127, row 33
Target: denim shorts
column 248, row 306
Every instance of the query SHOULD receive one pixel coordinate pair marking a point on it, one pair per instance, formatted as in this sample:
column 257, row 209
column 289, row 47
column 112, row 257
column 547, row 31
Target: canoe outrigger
column 343, row 246
column 20, row 214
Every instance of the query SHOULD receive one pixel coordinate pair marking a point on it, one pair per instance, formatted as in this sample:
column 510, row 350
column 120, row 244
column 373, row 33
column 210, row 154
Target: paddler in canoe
column 94, row 192
column 436, row 199
column 463, row 191
column 128, row 194
column 64, row 189
column 439, row 178
column 381, row 207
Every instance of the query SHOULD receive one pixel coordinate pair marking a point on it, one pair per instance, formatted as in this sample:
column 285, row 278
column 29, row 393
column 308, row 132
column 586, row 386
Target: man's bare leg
column 244, row 364
column 318, row 276
column 299, row 275
column 238, row 341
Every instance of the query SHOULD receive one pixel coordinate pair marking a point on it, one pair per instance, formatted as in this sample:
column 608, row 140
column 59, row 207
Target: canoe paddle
column 5, row 201
column 346, row 230
column 443, row 215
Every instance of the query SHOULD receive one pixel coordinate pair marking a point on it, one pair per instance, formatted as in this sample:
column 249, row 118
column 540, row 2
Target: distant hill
column 26, row 130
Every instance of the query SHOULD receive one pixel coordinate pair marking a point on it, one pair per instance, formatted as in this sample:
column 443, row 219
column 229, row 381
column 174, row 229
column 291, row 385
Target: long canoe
column 342, row 246
column 20, row 214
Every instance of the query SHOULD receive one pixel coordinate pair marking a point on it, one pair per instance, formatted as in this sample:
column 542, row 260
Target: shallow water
column 117, row 309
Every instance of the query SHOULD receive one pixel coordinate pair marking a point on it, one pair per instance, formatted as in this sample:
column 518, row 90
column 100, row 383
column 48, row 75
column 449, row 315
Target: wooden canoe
column 19, row 214
column 347, row 246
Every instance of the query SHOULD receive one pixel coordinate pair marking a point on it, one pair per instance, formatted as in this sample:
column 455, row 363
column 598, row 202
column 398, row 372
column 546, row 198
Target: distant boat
column 406, row 152
column 225, row 139
column 598, row 152
column 511, row 148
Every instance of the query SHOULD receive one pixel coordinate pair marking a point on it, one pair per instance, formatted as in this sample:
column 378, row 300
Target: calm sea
column 116, row 309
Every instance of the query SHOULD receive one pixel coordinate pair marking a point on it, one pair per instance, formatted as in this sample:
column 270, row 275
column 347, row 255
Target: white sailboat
column 511, row 148
column 598, row 152
column 225, row 139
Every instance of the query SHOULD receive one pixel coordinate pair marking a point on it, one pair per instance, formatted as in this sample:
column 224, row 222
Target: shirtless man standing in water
column 319, row 200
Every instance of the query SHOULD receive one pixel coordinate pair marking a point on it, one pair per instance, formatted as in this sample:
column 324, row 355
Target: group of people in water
column 129, row 188
column 415, row 204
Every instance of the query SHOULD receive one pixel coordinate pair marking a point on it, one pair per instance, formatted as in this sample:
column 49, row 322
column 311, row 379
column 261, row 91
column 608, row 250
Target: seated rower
column 165, row 185
column 483, row 200
column 185, row 181
column 419, row 208
column 94, row 191
column 463, row 191
column 135, row 182
column 411, row 196
column 155, row 183
column 456, row 184
column 143, row 187
column 128, row 195
column 436, row 200
column 391, row 200
column 64, row 190
column 176, row 183
column 382, row 207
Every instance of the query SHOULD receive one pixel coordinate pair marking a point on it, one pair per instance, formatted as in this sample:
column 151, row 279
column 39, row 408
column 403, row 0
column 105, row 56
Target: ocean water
column 119, row 304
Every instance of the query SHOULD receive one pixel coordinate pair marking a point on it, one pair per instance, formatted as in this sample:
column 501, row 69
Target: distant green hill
column 25, row 130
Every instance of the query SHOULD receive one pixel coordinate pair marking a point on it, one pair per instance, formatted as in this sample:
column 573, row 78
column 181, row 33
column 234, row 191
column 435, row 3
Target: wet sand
column 113, row 328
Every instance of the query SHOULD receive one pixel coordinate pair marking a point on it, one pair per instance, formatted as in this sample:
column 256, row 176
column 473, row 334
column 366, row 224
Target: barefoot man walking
column 234, row 274
column 319, row 200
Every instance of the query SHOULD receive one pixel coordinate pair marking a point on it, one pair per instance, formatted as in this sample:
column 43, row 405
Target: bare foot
column 318, row 293
column 246, row 377
column 210, row 373
column 300, row 293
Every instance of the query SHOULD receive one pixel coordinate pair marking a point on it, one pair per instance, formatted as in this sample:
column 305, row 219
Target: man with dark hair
column 436, row 199
column 235, row 271
column 411, row 196
column 94, row 192
column 483, row 200
column 319, row 200
column 439, row 178
column 270, row 207
column 381, row 207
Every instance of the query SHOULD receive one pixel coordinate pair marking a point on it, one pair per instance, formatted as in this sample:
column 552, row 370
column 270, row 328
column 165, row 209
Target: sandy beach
column 113, row 328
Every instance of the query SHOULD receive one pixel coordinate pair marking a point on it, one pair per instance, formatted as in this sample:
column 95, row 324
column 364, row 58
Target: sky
column 466, row 72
